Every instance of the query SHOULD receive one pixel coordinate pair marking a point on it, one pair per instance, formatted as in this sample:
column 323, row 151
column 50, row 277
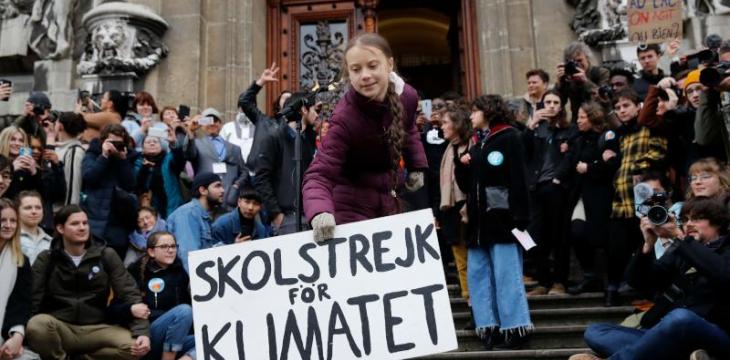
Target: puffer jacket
column 79, row 295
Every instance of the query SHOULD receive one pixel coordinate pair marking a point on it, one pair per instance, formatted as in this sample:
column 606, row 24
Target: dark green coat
column 80, row 295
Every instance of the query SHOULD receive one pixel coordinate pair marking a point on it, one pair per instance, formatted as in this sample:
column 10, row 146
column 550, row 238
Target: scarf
column 450, row 193
column 8, row 275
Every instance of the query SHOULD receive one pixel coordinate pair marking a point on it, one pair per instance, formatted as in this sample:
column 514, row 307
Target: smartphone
column 183, row 111
column 25, row 151
column 206, row 120
column 157, row 132
column 50, row 147
column 6, row 82
column 119, row 145
column 427, row 108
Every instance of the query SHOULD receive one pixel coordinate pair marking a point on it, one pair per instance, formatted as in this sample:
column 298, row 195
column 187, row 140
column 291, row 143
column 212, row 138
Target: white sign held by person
column 375, row 291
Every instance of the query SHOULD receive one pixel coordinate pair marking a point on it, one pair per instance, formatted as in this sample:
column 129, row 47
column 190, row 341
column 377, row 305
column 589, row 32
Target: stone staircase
column 559, row 325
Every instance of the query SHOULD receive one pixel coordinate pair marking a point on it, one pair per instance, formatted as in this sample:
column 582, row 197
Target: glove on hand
column 415, row 181
column 324, row 227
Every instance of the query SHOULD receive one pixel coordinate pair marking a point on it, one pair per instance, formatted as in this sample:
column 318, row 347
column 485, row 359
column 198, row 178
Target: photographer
column 577, row 79
column 693, row 310
column 36, row 116
column 114, row 106
column 157, row 174
column 108, row 183
column 275, row 167
column 713, row 112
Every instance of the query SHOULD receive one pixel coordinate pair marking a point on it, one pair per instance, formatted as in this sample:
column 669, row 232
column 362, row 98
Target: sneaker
column 584, row 357
column 529, row 281
column 538, row 290
column 700, row 355
column 557, row 289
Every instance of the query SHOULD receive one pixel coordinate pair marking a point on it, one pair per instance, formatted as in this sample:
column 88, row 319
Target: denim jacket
column 228, row 226
column 191, row 225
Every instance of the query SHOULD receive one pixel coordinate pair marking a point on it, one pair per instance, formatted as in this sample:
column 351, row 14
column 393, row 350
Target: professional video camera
column 713, row 76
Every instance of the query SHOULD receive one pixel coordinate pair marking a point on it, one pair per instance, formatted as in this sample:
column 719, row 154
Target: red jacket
column 350, row 176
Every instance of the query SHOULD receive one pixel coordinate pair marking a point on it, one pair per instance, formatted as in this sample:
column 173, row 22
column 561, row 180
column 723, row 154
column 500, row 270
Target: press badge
column 219, row 168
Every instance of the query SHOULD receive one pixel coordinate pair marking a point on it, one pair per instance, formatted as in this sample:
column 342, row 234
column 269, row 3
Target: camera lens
column 658, row 215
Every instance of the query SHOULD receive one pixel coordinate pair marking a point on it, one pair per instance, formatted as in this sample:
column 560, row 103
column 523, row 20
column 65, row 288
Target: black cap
column 38, row 98
column 204, row 179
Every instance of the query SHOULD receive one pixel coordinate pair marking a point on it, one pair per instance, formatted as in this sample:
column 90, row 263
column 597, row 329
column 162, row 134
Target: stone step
column 459, row 304
column 542, row 338
column 566, row 316
column 545, row 354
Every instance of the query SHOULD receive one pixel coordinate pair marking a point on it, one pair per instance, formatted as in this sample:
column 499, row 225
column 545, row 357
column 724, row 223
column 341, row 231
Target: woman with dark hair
column 492, row 174
column 165, row 288
column 547, row 142
column 590, row 197
column 456, row 128
column 15, row 285
column 113, row 109
column 6, row 175
column 108, row 185
column 357, row 172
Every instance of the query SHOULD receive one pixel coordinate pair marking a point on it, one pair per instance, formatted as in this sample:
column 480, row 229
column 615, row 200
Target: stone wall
column 217, row 47
column 518, row 35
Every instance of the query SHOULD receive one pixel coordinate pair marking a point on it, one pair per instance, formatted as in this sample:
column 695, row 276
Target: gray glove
column 415, row 181
column 324, row 227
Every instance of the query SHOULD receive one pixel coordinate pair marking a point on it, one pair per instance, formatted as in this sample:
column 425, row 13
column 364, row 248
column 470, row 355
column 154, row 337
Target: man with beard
column 191, row 223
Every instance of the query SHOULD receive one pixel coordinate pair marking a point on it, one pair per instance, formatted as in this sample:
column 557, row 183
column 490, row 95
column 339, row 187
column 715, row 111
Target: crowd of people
column 100, row 207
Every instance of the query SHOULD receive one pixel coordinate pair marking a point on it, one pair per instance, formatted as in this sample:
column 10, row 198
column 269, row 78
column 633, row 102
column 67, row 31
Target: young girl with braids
column 356, row 174
column 160, row 271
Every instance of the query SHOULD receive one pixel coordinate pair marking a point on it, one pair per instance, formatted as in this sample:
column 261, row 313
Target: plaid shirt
column 640, row 150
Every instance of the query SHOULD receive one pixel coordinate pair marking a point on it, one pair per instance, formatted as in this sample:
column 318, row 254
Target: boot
column 512, row 340
column 612, row 298
column 488, row 341
column 587, row 285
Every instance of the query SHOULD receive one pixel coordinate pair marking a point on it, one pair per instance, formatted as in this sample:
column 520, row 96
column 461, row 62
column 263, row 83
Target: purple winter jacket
column 350, row 176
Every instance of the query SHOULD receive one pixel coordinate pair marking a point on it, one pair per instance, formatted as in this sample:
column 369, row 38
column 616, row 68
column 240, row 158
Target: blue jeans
column 679, row 333
column 496, row 290
column 169, row 332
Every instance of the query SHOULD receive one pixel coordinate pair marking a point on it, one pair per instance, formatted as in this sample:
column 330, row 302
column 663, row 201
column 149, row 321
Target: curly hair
column 495, row 109
column 594, row 111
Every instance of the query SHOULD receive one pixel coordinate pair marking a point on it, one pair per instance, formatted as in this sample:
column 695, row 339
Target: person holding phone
column 108, row 186
column 242, row 223
column 14, row 145
column 157, row 173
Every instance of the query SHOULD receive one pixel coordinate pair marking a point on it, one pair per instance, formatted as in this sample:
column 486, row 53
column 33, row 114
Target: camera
column 713, row 76
column 119, row 145
column 655, row 208
column 292, row 108
column 605, row 92
column 571, row 67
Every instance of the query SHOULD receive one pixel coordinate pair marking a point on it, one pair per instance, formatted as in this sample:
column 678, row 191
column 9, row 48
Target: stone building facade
column 203, row 53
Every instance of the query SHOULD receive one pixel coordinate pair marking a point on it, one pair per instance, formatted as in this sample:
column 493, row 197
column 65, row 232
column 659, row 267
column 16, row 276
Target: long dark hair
column 561, row 118
column 395, row 133
column 120, row 101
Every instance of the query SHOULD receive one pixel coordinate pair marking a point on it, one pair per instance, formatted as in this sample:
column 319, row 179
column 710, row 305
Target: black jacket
column 546, row 141
column 265, row 126
column 695, row 276
column 17, row 311
column 595, row 187
column 275, row 168
column 641, row 85
column 53, row 190
column 176, row 290
column 495, row 182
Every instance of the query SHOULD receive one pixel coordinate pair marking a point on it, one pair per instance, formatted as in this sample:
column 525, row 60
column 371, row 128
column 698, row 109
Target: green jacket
column 712, row 121
column 80, row 295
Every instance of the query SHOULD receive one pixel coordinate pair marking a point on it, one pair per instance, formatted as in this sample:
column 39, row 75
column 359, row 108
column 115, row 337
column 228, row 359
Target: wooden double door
column 307, row 39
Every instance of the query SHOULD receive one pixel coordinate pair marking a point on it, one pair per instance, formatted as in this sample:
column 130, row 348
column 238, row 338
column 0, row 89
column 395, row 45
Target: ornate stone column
column 369, row 14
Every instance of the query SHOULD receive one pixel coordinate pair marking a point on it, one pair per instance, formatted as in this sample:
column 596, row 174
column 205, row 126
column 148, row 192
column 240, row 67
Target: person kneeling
column 72, row 283
column 692, row 310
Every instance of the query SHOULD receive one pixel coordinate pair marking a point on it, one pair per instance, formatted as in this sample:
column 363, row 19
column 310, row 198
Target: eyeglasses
column 167, row 247
column 701, row 177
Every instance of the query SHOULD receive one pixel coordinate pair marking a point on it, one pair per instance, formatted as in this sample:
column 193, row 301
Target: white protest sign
column 375, row 291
